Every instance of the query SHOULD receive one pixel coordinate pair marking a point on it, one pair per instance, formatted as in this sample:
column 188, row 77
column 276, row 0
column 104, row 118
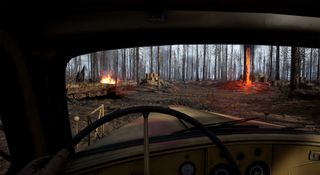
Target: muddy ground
column 270, row 104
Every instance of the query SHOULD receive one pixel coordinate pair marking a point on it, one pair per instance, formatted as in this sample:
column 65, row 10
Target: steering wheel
column 145, row 110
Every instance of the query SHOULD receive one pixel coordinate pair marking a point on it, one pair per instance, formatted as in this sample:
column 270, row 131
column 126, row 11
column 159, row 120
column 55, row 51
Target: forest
column 198, row 62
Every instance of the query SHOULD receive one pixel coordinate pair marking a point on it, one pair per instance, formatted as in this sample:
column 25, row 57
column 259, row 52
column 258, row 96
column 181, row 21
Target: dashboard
column 255, row 154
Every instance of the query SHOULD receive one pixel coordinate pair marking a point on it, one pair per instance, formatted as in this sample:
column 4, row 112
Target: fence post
column 77, row 120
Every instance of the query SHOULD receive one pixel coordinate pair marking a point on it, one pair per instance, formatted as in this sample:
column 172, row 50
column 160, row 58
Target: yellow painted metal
column 284, row 155
column 294, row 160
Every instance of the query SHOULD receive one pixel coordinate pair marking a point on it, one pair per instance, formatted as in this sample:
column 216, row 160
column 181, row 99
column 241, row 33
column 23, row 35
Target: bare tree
column 310, row 67
column 94, row 67
column 220, row 62
column 318, row 72
column 197, row 63
column 159, row 67
column 278, row 63
column 264, row 64
column 89, row 60
column 184, row 63
column 176, row 71
column 242, row 48
column 151, row 59
column 288, row 62
column 231, row 63
column 270, row 69
column 208, row 72
column 252, row 50
column 204, row 62
column 295, row 69
column 191, row 60
column 170, row 61
column 116, row 55
column 226, row 69
column 124, row 71
column 303, row 60
column 247, row 64
column 260, row 62
column 216, row 63
column 137, row 65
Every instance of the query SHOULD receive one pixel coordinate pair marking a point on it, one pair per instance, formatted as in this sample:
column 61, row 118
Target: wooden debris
column 152, row 79
column 89, row 90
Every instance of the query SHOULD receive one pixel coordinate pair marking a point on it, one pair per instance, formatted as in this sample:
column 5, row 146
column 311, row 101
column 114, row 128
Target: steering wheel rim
column 145, row 110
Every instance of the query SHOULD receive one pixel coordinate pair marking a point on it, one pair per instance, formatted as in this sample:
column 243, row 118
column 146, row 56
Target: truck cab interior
column 38, row 39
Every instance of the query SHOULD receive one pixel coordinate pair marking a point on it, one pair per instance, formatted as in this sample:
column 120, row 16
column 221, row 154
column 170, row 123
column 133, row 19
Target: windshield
column 262, row 86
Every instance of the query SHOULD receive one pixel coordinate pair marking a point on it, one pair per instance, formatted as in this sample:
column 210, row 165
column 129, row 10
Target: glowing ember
column 107, row 79
column 247, row 68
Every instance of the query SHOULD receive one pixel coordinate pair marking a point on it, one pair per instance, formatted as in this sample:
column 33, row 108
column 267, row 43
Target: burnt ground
column 270, row 104
column 260, row 100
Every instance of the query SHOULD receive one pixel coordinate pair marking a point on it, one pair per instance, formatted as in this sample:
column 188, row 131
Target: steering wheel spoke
column 146, row 143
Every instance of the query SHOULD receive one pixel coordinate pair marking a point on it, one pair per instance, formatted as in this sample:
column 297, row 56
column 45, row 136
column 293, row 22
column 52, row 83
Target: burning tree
column 246, row 79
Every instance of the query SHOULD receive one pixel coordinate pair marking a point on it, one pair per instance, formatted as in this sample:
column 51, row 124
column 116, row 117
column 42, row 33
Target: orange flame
column 107, row 79
column 247, row 68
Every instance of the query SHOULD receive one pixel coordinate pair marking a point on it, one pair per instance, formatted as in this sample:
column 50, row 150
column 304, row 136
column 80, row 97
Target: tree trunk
column 295, row 58
column 208, row 70
column 247, row 65
column 287, row 63
column 197, row 64
column 151, row 59
column 89, row 72
column 260, row 62
column 132, row 66
column 124, row 71
column 177, row 69
column 264, row 65
column 226, row 69
column 244, row 61
column 75, row 67
column 231, row 63
column 170, row 61
column 241, row 73
column 204, row 72
column 184, row 63
column 252, row 47
column 102, row 61
column 116, row 65
column 310, row 68
column 220, row 62
column 318, row 72
column 159, row 67
column 284, row 50
column 278, row 64
column 303, row 58
column 270, row 69
column 192, row 66
column 137, row 65
column 216, row 63
column 94, row 68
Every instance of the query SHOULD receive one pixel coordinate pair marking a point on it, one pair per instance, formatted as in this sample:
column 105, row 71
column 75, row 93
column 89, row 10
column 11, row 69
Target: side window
column 4, row 151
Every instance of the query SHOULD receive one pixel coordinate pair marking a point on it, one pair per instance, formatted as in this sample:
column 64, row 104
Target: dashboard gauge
column 221, row 169
column 258, row 168
column 187, row 168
